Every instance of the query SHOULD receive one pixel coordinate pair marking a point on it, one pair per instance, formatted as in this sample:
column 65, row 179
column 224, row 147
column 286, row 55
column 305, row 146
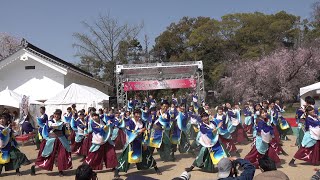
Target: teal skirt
column 204, row 161
column 147, row 160
column 165, row 148
column 17, row 158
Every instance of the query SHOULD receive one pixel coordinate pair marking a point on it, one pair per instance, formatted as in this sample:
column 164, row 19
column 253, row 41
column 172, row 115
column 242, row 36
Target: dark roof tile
column 34, row 49
column 28, row 46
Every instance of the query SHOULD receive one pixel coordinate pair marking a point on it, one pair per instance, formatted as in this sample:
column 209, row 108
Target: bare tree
column 8, row 44
column 101, row 43
column 316, row 12
column 146, row 49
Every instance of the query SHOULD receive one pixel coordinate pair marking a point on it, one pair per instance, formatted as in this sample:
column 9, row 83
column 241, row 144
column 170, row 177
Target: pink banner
column 155, row 84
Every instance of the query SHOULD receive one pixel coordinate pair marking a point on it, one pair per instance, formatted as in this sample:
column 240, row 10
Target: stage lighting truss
column 158, row 71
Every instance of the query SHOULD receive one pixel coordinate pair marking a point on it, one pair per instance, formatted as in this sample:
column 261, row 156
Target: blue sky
column 50, row 24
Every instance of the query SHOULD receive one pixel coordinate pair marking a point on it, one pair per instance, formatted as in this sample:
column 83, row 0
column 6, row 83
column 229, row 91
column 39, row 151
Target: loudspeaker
column 113, row 101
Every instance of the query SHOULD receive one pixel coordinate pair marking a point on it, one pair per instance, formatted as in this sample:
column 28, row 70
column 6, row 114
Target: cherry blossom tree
column 279, row 75
column 8, row 44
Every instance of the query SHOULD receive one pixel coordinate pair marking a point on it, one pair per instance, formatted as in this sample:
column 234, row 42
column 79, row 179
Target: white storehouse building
column 36, row 73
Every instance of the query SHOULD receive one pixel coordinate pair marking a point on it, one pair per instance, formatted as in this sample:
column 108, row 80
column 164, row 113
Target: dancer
column 159, row 137
column 234, row 122
column 135, row 151
column 74, row 111
column 67, row 117
column 173, row 112
column 310, row 146
column 131, row 105
column 257, row 108
column 211, row 151
column 42, row 120
column 207, row 108
column 193, row 123
column 145, row 113
column 80, row 127
column 178, row 132
column 127, row 117
column 118, row 135
column 26, row 126
column 10, row 156
column 102, row 148
column 283, row 125
column 224, row 133
column 300, row 118
column 55, row 147
column 152, row 102
column 273, row 121
column 149, row 125
column 261, row 145
column 248, row 113
column 174, row 100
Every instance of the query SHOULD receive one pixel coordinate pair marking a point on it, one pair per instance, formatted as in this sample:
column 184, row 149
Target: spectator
column 74, row 111
column 269, row 170
column 15, row 125
column 227, row 169
column 85, row 172
column 27, row 126
column 317, row 175
column 139, row 177
column 15, row 117
column 6, row 113
column 184, row 176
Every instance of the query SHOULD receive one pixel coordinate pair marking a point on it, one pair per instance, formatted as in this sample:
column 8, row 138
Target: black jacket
column 248, row 171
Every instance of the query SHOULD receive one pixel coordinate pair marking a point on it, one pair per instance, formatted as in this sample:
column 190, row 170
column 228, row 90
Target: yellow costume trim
column 4, row 161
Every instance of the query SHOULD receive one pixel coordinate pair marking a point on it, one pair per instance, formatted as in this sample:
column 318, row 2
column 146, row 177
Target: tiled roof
column 35, row 50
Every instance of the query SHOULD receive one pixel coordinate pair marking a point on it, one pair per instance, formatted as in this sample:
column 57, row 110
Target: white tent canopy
column 82, row 96
column 312, row 87
column 10, row 98
column 13, row 99
column 311, row 90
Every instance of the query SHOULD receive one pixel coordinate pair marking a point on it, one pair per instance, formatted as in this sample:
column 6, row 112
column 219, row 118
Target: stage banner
column 155, row 84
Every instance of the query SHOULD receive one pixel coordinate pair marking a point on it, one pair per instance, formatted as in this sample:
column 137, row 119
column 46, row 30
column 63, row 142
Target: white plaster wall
column 40, row 83
column 72, row 77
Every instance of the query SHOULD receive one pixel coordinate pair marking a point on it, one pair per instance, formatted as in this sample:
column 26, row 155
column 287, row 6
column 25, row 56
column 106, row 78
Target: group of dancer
column 170, row 126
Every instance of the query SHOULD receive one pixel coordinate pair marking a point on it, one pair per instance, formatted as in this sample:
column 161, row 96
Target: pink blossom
column 278, row 75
